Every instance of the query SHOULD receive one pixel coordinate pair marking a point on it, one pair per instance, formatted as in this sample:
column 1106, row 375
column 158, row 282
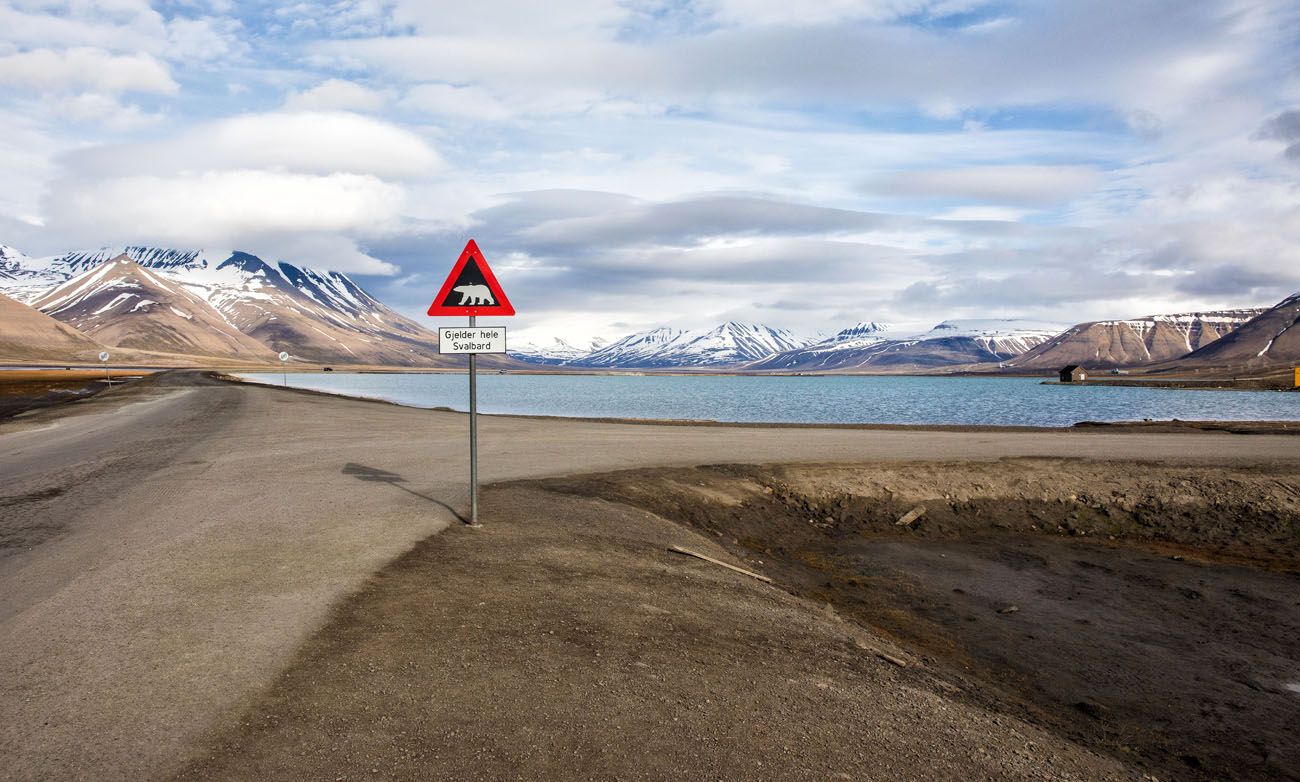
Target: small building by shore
column 1073, row 374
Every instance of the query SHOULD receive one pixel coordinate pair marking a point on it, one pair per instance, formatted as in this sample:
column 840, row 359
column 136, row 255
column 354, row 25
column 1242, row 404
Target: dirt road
column 165, row 548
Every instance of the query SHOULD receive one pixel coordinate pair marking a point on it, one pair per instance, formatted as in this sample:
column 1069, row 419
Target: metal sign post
column 284, row 357
column 103, row 359
column 472, row 341
column 473, row 433
column 472, row 290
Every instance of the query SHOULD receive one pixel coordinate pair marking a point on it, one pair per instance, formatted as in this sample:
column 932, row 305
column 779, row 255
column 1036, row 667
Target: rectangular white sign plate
column 472, row 339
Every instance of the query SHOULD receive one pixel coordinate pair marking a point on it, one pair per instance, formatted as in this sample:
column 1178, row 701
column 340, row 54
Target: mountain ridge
column 729, row 343
column 1134, row 342
column 1269, row 340
column 123, row 304
column 251, row 306
column 949, row 343
column 316, row 316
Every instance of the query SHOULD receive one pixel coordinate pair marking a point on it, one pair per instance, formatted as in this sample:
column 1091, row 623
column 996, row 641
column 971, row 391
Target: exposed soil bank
column 28, row 389
column 1149, row 612
column 563, row 641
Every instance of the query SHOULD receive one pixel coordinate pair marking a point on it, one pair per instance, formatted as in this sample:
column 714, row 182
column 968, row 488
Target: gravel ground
column 168, row 547
column 565, row 641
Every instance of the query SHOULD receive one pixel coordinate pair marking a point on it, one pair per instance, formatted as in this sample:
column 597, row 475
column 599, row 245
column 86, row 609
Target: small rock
column 1008, row 609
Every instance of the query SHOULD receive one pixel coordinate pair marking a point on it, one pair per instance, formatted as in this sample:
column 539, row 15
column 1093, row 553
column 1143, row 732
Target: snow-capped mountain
column 123, row 304
column 555, row 352
column 26, row 278
column 951, row 343
column 1133, row 342
column 633, row 350
column 317, row 316
column 1003, row 337
column 19, row 277
column 727, row 344
column 1270, row 339
column 866, row 330
column 11, row 261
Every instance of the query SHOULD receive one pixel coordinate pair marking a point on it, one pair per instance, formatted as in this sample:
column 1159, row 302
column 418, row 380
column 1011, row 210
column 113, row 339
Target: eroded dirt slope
column 564, row 641
column 1151, row 612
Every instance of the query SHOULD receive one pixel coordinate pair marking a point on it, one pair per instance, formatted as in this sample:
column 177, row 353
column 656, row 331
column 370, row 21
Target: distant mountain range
column 1135, row 342
column 225, row 304
column 555, row 351
column 1188, row 340
column 165, row 304
column 872, row 346
column 727, row 344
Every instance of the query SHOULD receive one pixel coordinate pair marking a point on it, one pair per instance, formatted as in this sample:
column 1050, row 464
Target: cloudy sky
column 633, row 163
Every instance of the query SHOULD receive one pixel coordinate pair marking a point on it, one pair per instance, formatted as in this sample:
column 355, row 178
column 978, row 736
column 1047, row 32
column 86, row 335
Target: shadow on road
column 375, row 475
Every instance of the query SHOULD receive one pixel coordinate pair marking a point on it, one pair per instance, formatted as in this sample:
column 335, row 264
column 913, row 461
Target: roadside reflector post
column 471, row 290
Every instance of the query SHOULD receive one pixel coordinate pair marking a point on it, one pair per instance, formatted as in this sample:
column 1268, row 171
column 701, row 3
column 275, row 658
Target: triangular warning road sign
column 471, row 288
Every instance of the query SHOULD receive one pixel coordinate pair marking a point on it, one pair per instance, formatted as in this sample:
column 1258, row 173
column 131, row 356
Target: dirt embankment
column 28, row 389
column 564, row 641
column 1151, row 612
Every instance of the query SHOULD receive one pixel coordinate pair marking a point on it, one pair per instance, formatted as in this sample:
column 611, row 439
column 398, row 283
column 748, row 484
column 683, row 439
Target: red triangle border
column 503, row 305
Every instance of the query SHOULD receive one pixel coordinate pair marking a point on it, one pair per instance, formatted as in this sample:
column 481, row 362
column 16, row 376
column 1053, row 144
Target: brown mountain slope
column 1272, row 339
column 1134, row 342
column 123, row 304
column 315, row 316
column 27, row 334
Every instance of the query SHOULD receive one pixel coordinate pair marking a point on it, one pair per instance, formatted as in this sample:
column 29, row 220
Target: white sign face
column 103, row 356
column 472, row 339
column 284, row 356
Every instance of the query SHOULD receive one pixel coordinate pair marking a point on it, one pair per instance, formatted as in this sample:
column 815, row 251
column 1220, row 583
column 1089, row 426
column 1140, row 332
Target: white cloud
column 105, row 110
column 446, row 100
column 203, row 39
column 506, row 17
column 305, row 185
column 321, row 250
column 310, row 142
column 84, row 67
column 125, row 27
column 770, row 12
column 1024, row 185
column 338, row 95
column 221, row 207
column 997, row 213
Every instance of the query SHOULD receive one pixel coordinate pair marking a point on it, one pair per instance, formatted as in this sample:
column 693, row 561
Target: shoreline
column 1243, row 426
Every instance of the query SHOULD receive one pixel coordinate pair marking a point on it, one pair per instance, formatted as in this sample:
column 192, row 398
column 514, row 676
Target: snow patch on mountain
column 1001, row 336
column 553, row 352
column 729, row 343
column 876, row 345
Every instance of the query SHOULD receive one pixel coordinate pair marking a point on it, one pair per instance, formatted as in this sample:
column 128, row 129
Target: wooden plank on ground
column 706, row 558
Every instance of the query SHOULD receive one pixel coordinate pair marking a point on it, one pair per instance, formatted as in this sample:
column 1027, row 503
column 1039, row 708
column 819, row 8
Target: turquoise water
column 832, row 399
